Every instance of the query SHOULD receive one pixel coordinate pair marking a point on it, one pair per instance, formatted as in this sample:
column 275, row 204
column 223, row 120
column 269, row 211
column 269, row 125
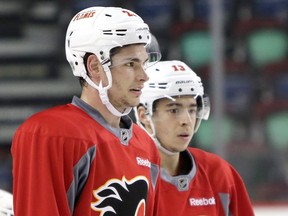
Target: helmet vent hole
column 140, row 37
column 107, row 32
column 192, row 89
column 108, row 15
column 180, row 89
column 76, row 63
column 121, row 32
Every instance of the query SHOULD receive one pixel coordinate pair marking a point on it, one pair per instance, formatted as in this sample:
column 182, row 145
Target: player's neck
column 170, row 163
column 94, row 101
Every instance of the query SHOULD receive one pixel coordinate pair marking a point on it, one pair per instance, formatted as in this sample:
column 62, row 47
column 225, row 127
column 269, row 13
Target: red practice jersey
column 67, row 161
column 212, row 187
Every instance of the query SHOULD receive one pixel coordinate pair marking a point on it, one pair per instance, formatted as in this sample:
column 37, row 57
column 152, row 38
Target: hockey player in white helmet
column 168, row 79
column 193, row 182
column 6, row 203
column 99, row 31
column 87, row 157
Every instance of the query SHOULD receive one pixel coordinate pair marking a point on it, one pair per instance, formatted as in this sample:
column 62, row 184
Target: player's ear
column 144, row 118
column 94, row 68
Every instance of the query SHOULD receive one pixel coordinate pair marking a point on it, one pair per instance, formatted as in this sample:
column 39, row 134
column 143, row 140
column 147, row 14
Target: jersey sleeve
column 240, row 203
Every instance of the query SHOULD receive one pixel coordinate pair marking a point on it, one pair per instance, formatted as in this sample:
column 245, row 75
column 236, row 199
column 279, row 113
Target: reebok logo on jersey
column 143, row 162
column 202, row 201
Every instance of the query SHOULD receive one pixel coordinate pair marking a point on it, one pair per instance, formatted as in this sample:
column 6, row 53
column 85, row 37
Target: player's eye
column 130, row 64
column 173, row 111
column 192, row 111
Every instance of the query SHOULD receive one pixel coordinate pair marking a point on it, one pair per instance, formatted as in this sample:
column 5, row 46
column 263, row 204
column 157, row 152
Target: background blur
column 238, row 47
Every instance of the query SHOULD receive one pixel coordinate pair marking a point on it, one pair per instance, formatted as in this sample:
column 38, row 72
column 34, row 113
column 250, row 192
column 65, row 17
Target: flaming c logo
column 122, row 197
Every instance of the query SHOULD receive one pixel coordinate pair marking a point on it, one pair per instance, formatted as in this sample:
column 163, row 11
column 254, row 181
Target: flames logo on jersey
column 122, row 197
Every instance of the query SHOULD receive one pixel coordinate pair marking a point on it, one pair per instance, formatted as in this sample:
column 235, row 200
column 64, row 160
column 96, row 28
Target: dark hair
column 154, row 105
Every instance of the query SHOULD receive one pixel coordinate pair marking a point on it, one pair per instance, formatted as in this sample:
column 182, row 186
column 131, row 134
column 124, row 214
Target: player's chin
column 133, row 102
column 182, row 147
column 183, row 144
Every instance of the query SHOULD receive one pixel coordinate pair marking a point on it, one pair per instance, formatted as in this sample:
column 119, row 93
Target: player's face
column 128, row 76
column 174, row 122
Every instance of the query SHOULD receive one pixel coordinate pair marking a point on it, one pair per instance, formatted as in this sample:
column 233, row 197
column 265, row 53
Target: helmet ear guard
column 76, row 62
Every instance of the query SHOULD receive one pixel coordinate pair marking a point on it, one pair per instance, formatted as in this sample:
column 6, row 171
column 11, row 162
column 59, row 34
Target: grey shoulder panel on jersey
column 154, row 174
column 225, row 201
column 80, row 176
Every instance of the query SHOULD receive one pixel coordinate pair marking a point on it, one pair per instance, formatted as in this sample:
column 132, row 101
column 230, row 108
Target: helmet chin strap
column 163, row 149
column 105, row 100
column 103, row 91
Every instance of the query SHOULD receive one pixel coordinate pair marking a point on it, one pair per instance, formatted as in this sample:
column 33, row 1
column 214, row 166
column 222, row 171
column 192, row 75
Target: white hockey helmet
column 98, row 30
column 6, row 203
column 174, row 78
